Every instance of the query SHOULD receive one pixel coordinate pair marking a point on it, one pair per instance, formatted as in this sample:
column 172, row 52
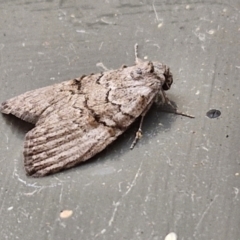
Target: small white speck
column 188, row 7
column 197, row 93
column 23, row 44
column 160, row 25
column 206, row 149
column 10, row 208
column 211, row 32
column 80, row 31
column 146, row 57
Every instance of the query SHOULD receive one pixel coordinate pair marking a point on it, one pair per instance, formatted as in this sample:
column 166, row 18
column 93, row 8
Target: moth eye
column 168, row 80
column 151, row 67
column 139, row 71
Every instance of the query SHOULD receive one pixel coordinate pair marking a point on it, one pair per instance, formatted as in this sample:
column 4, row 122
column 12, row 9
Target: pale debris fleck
column 200, row 36
column 80, row 31
column 204, row 148
column 10, row 208
column 197, row 93
column 66, row 213
column 171, row 236
column 101, row 65
column 236, row 192
column 211, row 32
column 106, row 21
column 160, row 24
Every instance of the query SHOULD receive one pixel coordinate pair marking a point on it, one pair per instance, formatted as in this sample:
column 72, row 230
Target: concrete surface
column 183, row 176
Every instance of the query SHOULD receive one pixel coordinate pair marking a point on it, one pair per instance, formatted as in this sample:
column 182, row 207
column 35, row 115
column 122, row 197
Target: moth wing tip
column 4, row 107
column 32, row 173
column 30, row 170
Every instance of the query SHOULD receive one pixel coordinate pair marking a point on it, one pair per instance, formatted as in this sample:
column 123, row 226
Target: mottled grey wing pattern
column 30, row 105
column 78, row 118
column 53, row 146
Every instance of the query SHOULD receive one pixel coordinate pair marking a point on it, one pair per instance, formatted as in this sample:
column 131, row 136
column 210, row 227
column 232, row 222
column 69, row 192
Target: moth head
column 161, row 69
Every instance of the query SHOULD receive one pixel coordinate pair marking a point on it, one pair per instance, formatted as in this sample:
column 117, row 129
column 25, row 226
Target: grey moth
column 76, row 119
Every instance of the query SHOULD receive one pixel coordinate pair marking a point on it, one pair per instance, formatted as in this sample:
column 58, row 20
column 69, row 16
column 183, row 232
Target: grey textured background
column 183, row 176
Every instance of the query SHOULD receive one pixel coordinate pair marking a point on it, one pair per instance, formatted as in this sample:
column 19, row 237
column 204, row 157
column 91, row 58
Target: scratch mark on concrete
column 118, row 203
column 37, row 187
column 119, row 187
column 101, row 65
column 7, row 140
column 205, row 212
column 200, row 36
column 236, row 192
column 114, row 213
column 60, row 195
column 133, row 183
column 33, row 192
column 71, row 46
column 100, row 233
column 1, row 48
column 154, row 9
column 65, row 57
column 100, row 47
column 106, row 21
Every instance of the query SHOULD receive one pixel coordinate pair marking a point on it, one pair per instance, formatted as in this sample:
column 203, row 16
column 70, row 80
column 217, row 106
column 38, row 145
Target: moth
column 76, row 119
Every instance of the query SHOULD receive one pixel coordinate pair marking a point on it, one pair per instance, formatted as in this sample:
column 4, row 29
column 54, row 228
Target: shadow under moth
column 76, row 119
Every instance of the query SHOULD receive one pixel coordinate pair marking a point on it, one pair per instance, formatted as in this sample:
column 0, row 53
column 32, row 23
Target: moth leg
column 138, row 134
column 174, row 109
column 137, row 59
column 139, row 131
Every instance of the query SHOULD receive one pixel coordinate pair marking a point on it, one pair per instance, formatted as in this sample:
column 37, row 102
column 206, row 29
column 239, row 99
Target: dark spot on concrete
column 213, row 113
